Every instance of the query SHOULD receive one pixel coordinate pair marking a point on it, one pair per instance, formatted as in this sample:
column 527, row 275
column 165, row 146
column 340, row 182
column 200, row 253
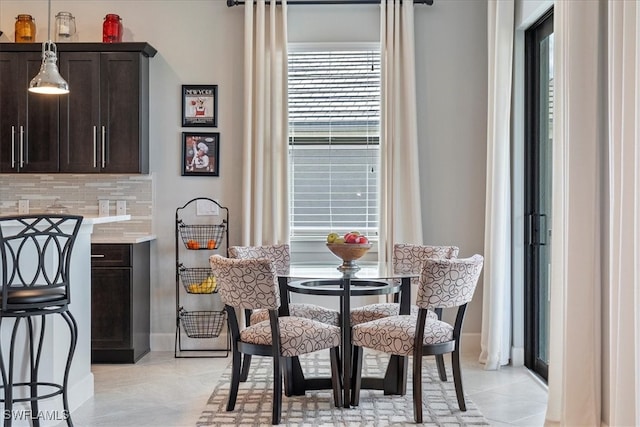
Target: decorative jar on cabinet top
column 25, row 29
column 112, row 29
column 65, row 27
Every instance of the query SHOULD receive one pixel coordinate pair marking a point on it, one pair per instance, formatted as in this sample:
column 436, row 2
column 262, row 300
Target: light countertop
column 125, row 239
column 93, row 220
column 88, row 219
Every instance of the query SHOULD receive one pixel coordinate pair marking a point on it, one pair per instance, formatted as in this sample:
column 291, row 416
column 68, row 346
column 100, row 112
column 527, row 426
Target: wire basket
column 198, row 280
column 202, row 324
column 203, row 236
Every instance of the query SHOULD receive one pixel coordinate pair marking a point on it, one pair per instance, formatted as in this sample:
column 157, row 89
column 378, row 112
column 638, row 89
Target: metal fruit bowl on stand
column 349, row 253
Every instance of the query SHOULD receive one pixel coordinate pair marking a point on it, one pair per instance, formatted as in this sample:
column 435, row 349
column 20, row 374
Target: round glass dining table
column 327, row 280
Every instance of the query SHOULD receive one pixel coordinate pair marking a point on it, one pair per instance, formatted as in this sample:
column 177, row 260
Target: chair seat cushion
column 395, row 334
column 371, row 312
column 35, row 295
column 298, row 335
column 308, row 311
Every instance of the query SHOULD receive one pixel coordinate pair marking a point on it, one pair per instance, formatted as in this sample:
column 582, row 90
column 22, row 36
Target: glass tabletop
column 330, row 271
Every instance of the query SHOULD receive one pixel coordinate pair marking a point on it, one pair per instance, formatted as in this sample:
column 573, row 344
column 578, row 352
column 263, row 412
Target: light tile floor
column 163, row 391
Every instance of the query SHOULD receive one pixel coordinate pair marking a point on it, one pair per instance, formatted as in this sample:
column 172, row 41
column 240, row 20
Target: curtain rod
column 231, row 3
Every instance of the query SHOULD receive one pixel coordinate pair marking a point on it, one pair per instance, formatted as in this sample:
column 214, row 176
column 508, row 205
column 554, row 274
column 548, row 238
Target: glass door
column 538, row 221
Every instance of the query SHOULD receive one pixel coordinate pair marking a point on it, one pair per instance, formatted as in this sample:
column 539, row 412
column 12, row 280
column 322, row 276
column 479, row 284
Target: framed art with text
column 200, row 153
column 200, row 105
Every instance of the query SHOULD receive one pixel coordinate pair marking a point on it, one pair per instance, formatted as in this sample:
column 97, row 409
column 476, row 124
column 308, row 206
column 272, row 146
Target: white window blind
column 334, row 129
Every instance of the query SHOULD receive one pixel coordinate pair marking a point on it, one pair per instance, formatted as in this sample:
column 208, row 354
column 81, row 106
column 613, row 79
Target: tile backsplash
column 80, row 194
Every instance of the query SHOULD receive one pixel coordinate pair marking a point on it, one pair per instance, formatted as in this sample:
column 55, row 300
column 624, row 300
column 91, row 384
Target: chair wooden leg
column 335, row 376
column 356, row 375
column 246, row 364
column 442, row 372
column 417, row 389
column 276, row 409
column 235, row 378
column 457, row 379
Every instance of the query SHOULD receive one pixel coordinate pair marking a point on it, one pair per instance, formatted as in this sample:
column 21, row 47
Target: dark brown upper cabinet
column 29, row 122
column 101, row 126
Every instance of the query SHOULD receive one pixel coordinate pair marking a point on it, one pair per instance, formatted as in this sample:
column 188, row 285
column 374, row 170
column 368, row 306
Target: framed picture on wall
column 200, row 153
column 200, row 105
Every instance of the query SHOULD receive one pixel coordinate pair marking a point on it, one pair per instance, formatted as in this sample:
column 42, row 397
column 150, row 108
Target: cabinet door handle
column 21, row 146
column 13, row 147
column 95, row 146
column 104, row 137
column 97, row 255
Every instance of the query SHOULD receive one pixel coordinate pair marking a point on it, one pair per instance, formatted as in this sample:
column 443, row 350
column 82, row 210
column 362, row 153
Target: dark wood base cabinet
column 120, row 313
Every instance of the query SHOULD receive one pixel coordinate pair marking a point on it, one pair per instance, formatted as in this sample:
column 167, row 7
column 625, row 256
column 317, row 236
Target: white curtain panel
column 400, row 207
column 588, row 346
column 265, row 196
column 622, row 355
column 496, row 305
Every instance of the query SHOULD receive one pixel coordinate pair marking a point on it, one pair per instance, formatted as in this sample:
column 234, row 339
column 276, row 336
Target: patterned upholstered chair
column 252, row 284
column 407, row 258
column 443, row 283
column 280, row 255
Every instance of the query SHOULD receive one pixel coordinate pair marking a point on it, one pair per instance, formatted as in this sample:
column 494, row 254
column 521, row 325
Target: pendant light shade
column 49, row 80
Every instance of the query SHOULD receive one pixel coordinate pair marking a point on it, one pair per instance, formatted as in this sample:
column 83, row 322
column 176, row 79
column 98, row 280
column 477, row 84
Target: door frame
column 539, row 30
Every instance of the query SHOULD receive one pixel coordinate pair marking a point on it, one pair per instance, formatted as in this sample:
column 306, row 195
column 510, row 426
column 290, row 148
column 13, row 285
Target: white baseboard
column 81, row 392
column 162, row 341
column 517, row 356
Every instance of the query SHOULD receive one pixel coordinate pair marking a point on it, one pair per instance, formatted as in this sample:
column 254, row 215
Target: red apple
column 362, row 240
column 350, row 238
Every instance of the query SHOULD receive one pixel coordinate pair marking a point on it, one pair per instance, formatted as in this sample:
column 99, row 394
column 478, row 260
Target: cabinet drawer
column 110, row 255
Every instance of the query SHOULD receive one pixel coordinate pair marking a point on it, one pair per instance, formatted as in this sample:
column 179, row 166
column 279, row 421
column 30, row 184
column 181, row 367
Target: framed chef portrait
column 200, row 153
column 200, row 105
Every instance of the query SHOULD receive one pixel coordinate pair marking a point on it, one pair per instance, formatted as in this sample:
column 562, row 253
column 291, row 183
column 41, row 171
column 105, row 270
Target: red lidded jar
column 112, row 29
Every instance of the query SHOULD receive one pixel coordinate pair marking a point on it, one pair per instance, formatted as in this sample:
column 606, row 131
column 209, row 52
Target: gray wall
column 201, row 42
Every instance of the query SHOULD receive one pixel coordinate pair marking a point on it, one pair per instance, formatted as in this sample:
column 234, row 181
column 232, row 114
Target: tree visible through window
column 334, row 130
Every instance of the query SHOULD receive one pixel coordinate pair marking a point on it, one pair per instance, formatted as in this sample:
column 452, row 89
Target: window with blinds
column 334, row 130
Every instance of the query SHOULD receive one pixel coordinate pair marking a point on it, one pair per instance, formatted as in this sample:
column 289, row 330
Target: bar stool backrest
column 36, row 255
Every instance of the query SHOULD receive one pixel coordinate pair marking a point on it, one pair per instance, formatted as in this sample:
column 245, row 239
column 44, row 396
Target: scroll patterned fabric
column 310, row 311
column 396, row 334
column 443, row 283
column 246, row 283
column 371, row 312
column 281, row 256
column 409, row 258
column 297, row 335
column 251, row 284
column 448, row 282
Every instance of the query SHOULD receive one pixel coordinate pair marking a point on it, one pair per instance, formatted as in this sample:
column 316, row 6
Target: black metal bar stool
column 36, row 257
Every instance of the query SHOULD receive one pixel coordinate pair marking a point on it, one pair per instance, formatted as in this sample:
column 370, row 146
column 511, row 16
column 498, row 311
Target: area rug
column 253, row 407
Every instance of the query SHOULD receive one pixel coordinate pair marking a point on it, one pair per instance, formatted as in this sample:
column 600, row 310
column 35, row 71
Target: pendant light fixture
column 49, row 80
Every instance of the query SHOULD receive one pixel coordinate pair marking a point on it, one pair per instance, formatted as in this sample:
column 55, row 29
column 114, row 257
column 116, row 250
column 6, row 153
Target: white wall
column 201, row 42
